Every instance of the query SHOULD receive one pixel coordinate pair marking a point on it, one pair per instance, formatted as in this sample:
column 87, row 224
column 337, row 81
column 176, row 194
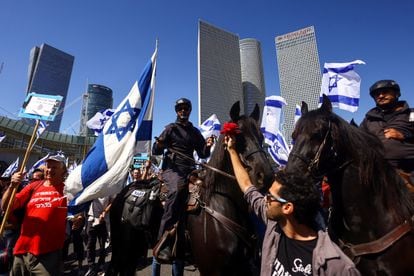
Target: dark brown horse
column 221, row 232
column 372, row 210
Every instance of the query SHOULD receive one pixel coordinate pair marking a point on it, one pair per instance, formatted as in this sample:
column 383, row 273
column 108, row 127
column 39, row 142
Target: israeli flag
column 11, row 169
column 2, row 137
column 41, row 128
column 210, row 127
column 342, row 85
column 270, row 127
column 105, row 168
column 38, row 164
column 98, row 121
column 298, row 113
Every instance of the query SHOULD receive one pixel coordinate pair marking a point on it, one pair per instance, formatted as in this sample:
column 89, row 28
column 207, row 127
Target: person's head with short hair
column 293, row 196
column 38, row 174
column 55, row 170
column 136, row 174
column 385, row 93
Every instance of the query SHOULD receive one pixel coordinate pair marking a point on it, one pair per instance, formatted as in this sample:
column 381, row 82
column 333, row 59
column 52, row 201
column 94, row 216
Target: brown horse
column 221, row 232
column 372, row 211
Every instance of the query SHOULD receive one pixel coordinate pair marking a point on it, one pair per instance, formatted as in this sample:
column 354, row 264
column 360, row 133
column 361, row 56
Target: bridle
column 313, row 165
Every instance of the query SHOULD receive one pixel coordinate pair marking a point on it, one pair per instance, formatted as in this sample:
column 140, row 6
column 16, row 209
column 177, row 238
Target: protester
column 97, row 231
column 392, row 121
column 292, row 244
column 37, row 174
column 74, row 228
column 38, row 250
column 179, row 140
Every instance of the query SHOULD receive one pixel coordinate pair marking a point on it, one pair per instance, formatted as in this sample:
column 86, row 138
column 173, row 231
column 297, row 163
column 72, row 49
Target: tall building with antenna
column 49, row 73
column 299, row 72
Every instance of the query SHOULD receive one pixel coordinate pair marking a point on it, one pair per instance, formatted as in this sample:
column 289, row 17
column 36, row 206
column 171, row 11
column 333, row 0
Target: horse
column 371, row 215
column 221, row 232
column 129, row 243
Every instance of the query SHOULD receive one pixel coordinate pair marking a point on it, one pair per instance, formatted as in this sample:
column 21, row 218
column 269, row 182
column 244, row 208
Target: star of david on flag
column 129, row 130
column 270, row 127
column 341, row 84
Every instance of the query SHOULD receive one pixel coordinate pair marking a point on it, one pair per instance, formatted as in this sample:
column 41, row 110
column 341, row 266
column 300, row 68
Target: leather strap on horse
column 203, row 165
column 234, row 227
column 355, row 250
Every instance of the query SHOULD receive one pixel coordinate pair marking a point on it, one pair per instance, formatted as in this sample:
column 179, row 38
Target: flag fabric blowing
column 129, row 130
column 341, row 84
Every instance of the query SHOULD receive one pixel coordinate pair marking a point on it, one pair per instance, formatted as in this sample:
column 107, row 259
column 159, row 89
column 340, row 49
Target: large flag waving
column 341, row 84
column 270, row 127
column 129, row 131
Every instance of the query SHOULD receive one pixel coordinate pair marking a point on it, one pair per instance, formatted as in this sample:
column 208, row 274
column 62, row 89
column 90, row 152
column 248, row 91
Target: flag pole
column 14, row 190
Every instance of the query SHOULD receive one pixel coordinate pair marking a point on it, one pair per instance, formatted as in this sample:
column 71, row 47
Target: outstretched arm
column 240, row 172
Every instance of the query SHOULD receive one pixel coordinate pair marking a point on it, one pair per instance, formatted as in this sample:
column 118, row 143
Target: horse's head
column 249, row 146
column 314, row 150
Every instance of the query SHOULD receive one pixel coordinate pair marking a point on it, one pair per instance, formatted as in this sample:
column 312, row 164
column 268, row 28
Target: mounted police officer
column 178, row 142
column 392, row 121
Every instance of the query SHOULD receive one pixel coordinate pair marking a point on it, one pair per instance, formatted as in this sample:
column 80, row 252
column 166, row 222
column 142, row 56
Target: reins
column 354, row 251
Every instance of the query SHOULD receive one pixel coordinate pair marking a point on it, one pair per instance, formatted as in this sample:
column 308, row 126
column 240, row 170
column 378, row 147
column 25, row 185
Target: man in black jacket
column 178, row 142
column 392, row 121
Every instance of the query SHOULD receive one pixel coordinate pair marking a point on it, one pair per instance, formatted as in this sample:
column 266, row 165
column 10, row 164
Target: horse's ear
column 352, row 123
column 235, row 111
column 326, row 104
column 255, row 113
column 304, row 108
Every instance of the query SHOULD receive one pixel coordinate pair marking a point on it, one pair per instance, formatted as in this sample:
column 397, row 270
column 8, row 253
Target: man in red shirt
column 42, row 235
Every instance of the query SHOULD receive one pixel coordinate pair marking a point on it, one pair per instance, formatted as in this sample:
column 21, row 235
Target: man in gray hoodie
column 292, row 244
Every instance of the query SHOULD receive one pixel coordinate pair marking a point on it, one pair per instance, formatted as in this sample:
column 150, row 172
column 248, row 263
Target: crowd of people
column 293, row 242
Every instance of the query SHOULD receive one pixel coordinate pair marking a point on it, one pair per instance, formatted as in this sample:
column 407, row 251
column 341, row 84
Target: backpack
column 138, row 207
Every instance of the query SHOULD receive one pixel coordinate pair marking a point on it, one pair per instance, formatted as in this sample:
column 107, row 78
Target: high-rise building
column 252, row 74
column 219, row 72
column 299, row 72
column 97, row 98
column 49, row 73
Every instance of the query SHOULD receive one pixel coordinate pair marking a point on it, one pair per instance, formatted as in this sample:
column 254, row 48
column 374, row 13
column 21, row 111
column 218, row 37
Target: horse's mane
column 366, row 151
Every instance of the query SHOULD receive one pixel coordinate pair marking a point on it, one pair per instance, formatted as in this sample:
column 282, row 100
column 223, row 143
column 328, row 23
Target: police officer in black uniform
column 392, row 121
column 178, row 142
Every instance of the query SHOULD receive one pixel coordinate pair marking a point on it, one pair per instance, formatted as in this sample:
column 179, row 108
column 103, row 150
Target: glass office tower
column 299, row 72
column 50, row 70
column 219, row 73
column 97, row 98
column 252, row 74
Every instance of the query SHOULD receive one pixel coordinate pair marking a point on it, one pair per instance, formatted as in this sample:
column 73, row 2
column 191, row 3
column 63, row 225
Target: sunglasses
column 272, row 198
column 182, row 108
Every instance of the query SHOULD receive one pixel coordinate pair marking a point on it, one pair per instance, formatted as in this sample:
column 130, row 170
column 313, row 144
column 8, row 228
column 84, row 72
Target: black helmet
column 383, row 84
column 183, row 101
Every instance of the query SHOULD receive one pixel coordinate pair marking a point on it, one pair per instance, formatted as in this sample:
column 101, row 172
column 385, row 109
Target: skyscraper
column 97, row 98
column 252, row 74
column 219, row 72
column 49, row 73
column 299, row 72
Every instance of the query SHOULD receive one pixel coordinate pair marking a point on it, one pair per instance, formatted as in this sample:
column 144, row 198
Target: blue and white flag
column 105, row 168
column 41, row 128
column 11, row 169
column 98, row 121
column 342, row 85
column 270, row 127
column 210, row 127
column 38, row 164
column 2, row 137
column 298, row 113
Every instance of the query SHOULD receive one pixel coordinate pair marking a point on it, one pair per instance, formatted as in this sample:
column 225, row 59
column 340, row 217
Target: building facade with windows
column 299, row 73
column 97, row 98
column 252, row 74
column 50, row 70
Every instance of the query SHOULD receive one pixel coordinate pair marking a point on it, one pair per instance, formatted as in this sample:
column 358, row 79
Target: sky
column 113, row 40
